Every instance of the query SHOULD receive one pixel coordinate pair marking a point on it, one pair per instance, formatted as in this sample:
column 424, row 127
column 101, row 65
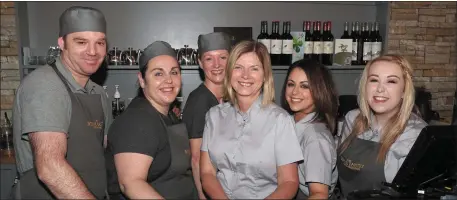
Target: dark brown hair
column 322, row 89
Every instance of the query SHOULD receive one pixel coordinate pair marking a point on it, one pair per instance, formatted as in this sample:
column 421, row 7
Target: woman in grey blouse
column 249, row 148
column 309, row 93
column 377, row 137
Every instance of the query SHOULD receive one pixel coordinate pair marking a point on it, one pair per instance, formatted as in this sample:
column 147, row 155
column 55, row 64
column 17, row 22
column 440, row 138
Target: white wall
column 137, row 24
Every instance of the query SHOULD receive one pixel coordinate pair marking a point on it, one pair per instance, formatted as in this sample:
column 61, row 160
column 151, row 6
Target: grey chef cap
column 79, row 19
column 155, row 49
column 213, row 41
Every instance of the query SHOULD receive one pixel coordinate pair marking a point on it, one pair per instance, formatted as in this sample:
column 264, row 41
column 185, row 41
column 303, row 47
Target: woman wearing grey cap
column 150, row 151
column 213, row 51
column 249, row 147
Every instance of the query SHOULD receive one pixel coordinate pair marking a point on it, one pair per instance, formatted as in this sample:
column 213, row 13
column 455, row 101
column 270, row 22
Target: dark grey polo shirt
column 42, row 103
column 198, row 103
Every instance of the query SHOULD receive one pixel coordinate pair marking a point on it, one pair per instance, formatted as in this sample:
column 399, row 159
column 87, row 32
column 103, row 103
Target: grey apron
column 84, row 148
column 177, row 182
column 358, row 168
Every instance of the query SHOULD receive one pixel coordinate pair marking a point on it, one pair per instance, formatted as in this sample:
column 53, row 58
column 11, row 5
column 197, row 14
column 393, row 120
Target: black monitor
column 433, row 156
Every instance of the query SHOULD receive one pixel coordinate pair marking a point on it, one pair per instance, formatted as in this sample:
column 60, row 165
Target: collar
column 308, row 118
column 74, row 86
column 244, row 117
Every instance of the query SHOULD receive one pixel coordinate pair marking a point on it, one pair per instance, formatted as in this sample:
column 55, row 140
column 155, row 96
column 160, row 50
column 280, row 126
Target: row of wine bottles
column 319, row 45
column 279, row 46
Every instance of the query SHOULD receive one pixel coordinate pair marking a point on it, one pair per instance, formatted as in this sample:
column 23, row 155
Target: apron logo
column 351, row 165
column 95, row 124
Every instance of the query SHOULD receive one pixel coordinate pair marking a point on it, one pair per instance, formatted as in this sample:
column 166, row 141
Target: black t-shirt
column 198, row 103
column 139, row 129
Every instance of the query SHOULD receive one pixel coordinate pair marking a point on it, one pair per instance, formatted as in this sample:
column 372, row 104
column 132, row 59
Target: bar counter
column 7, row 157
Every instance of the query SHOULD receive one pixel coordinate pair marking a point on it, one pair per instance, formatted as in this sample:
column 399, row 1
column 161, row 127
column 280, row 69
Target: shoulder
column 351, row 115
column 276, row 111
column 198, row 99
column 221, row 109
column 317, row 132
column 413, row 128
column 42, row 78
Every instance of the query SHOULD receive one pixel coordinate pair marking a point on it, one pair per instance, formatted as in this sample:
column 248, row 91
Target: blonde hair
column 268, row 89
column 395, row 126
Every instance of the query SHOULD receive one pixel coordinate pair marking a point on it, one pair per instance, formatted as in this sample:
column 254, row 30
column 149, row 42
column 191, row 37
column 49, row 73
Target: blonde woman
column 377, row 137
column 249, row 148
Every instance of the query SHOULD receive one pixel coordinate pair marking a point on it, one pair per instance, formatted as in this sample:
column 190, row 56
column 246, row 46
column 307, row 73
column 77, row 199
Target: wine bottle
column 366, row 44
column 309, row 43
column 346, row 31
column 276, row 44
column 263, row 37
column 327, row 56
column 318, row 43
column 376, row 42
column 287, row 45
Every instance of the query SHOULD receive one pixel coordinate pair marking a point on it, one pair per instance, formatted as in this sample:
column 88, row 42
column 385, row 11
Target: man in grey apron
column 60, row 116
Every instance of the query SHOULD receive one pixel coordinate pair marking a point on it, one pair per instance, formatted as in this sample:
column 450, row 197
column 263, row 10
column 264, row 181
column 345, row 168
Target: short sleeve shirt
column 319, row 154
column 399, row 149
column 198, row 103
column 140, row 129
column 42, row 103
column 246, row 148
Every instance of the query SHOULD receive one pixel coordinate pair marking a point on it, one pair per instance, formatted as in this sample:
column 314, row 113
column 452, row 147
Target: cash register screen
column 433, row 153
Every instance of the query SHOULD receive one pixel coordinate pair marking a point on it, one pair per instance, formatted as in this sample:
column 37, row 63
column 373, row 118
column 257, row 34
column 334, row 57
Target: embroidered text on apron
column 177, row 182
column 84, row 147
column 358, row 168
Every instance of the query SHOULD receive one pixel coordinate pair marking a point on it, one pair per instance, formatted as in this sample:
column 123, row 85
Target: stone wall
column 10, row 76
column 425, row 32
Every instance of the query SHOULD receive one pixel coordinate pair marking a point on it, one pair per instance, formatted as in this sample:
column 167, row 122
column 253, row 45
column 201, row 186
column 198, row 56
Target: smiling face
column 83, row 51
column 214, row 65
column 384, row 88
column 162, row 80
column 247, row 76
column 298, row 93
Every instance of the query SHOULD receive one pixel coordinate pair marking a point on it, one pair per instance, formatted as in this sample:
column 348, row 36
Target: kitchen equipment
column 130, row 56
column 53, row 53
column 187, row 56
column 6, row 135
column 115, row 56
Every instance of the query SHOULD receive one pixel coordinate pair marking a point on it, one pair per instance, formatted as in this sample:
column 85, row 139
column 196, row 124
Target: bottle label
column 318, row 47
column 354, row 51
column 265, row 42
column 328, row 47
column 376, row 49
column 287, row 46
column 309, row 45
column 276, row 46
column 366, row 51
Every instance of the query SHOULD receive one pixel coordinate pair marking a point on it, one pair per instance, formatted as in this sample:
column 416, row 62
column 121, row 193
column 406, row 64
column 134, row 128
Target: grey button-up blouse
column 399, row 149
column 246, row 148
column 319, row 154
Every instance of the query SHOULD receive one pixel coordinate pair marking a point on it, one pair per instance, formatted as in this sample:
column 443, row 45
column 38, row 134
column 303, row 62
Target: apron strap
column 54, row 67
column 65, row 82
